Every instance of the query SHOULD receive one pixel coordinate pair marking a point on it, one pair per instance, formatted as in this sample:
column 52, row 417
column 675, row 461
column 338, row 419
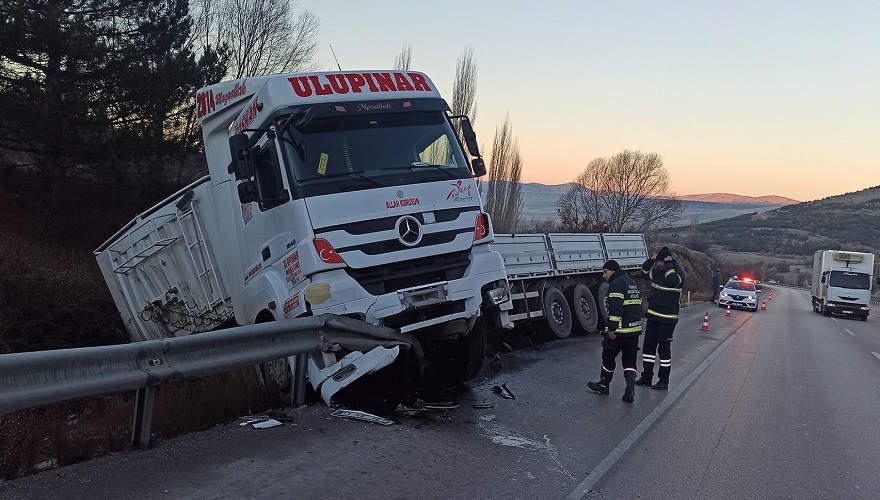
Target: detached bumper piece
column 350, row 368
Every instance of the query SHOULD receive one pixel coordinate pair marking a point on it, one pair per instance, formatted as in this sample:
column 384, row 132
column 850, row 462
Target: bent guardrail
column 34, row 379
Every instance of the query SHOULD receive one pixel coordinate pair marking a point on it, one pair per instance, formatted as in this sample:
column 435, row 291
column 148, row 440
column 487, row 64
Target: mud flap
column 350, row 368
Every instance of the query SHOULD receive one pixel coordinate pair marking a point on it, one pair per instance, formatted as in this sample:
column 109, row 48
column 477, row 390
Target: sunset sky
column 748, row 97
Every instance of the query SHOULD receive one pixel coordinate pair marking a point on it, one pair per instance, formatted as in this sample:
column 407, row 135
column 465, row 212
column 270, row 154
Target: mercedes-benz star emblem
column 409, row 230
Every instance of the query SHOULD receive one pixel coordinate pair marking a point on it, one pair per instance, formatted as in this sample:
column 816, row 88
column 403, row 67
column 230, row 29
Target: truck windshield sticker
column 322, row 163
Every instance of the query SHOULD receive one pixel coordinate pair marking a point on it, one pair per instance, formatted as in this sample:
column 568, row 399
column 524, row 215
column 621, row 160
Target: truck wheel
column 583, row 307
column 601, row 294
column 556, row 322
column 825, row 311
column 467, row 356
column 276, row 375
column 600, row 291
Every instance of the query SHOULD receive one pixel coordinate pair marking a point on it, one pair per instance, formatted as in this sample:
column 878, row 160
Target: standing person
column 624, row 326
column 716, row 284
column 666, row 280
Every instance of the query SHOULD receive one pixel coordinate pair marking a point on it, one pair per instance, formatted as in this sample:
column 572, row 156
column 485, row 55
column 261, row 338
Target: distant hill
column 540, row 200
column 850, row 221
column 738, row 199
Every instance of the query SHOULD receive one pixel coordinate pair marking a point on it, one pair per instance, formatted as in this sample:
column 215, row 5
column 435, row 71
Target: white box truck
column 841, row 283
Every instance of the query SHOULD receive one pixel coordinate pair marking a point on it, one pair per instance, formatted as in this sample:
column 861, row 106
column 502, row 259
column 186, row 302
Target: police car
column 739, row 294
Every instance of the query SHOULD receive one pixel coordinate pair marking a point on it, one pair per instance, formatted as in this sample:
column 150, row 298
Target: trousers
column 658, row 340
column 628, row 346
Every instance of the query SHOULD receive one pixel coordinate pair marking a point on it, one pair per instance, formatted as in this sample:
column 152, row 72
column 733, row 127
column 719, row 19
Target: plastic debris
column 362, row 415
column 504, row 391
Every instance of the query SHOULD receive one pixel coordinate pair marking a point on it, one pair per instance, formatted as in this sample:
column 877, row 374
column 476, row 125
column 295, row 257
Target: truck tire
column 825, row 311
column 601, row 294
column 583, row 308
column 276, row 375
column 467, row 355
column 556, row 322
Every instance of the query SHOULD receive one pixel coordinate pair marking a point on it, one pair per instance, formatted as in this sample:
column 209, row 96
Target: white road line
column 875, row 354
column 849, row 332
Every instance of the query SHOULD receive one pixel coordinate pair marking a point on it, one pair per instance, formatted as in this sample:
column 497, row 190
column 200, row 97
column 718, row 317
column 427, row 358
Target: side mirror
column 479, row 167
column 247, row 192
column 242, row 158
column 470, row 137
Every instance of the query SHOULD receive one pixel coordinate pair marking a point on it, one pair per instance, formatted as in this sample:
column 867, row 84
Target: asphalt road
column 781, row 403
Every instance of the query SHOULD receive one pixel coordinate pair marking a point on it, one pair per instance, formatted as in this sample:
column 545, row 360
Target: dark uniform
column 624, row 325
column 666, row 280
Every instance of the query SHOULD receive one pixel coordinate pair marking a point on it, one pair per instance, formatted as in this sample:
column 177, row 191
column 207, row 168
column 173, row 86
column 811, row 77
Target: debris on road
column 267, row 423
column 362, row 415
column 504, row 391
column 430, row 411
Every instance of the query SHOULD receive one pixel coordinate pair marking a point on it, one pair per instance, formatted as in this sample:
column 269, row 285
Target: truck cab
column 346, row 193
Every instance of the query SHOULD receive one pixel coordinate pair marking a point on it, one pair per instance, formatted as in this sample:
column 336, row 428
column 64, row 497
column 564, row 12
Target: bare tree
column 504, row 190
column 403, row 60
column 627, row 192
column 263, row 36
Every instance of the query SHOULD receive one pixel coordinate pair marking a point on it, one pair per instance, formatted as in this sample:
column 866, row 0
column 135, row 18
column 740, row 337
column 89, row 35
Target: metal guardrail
column 35, row 379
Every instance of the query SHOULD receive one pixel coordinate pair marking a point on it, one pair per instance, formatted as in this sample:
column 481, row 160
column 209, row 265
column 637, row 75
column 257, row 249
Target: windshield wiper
column 422, row 164
column 346, row 174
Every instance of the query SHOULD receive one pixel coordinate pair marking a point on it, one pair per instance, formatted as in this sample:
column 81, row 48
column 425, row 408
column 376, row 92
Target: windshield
column 740, row 285
column 847, row 279
column 383, row 149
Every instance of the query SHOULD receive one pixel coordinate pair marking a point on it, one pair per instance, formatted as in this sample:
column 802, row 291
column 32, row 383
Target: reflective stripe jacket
column 624, row 303
column 666, row 282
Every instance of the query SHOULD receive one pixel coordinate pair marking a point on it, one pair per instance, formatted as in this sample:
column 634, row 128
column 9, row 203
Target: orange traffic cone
column 764, row 305
column 728, row 310
column 705, row 327
column 771, row 295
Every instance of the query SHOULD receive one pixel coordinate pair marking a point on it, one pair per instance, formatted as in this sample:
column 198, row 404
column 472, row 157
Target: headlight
column 498, row 295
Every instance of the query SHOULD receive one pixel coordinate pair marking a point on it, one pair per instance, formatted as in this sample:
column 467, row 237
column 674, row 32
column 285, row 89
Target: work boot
column 660, row 386
column 629, row 394
column 601, row 387
column 643, row 380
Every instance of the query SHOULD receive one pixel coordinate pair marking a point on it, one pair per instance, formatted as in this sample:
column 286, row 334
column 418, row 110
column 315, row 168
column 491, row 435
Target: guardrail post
column 299, row 378
column 143, row 417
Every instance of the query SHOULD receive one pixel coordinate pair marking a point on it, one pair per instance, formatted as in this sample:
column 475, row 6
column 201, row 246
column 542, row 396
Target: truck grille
column 378, row 280
column 387, row 223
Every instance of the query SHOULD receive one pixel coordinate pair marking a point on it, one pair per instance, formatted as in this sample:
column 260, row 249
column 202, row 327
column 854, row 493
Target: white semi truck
column 346, row 193
column 842, row 283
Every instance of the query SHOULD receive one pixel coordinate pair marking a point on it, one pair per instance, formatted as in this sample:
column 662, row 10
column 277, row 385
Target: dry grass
column 43, row 438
